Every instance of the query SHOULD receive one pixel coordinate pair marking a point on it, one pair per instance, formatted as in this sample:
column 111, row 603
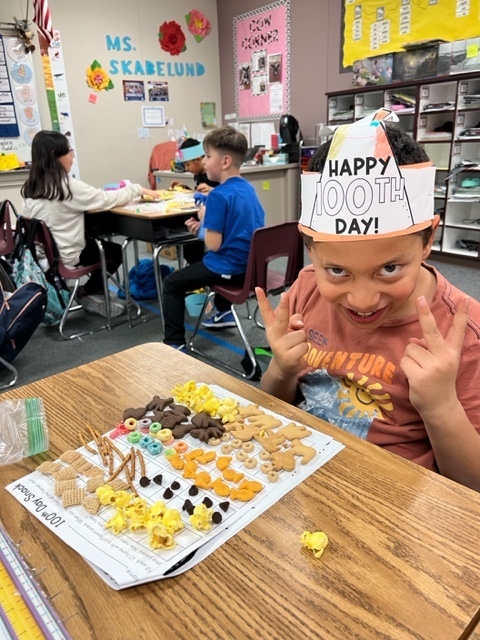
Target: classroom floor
column 47, row 353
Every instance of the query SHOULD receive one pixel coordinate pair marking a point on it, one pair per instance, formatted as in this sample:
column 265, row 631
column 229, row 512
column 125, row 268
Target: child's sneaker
column 221, row 320
column 96, row 304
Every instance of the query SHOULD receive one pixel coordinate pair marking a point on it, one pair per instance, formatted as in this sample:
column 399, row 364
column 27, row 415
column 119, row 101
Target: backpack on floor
column 26, row 268
column 21, row 311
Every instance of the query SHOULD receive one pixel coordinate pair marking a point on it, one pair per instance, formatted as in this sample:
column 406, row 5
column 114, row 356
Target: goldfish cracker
column 251, row 485
column 207, row 457
column 177, row 462
column 194, row 453
column 241, row 494
column 233, row 476
column 203, row 480
column 223, row 462
column 221, row 488
column 316, row 542
column 190, row 469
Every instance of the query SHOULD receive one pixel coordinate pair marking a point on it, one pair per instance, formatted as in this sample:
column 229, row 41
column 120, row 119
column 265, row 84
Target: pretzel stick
column 85, row 443
column 118, row 469
column 132, row 462
column 141, row 459
column 130, row 482
column 117, row 451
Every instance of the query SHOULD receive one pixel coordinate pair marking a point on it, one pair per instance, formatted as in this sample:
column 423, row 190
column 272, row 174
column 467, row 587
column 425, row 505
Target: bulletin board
column 262, row 62
column 19, row 112
column 372, row 28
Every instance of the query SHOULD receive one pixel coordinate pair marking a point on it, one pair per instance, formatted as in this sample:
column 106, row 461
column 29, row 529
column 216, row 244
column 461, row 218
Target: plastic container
column 194, row 303
column 23, row 429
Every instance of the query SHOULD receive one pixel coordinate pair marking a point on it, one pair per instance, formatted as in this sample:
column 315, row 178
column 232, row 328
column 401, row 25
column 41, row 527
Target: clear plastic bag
column 23, row 429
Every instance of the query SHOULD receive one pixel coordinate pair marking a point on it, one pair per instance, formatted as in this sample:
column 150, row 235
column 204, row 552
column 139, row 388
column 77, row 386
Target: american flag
column 42, row 19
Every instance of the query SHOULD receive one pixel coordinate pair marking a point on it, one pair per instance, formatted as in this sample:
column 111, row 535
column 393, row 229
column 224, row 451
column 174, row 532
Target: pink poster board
column 262, row 62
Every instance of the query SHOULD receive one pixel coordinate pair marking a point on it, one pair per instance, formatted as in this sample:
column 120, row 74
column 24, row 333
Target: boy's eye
column 391, row 269
column 335, row 271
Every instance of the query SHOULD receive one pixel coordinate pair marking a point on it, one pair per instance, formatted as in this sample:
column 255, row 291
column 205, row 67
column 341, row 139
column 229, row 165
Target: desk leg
column 158, row 281
column 105, row 281
column 126, row 279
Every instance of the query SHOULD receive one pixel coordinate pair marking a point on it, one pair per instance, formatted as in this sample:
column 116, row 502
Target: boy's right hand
column 285, row 334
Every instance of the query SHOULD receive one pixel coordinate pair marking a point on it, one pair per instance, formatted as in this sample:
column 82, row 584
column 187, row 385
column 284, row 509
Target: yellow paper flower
column 97, row 77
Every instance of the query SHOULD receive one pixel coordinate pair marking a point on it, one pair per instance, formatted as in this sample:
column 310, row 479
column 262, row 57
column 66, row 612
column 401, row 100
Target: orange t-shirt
column 353, row 378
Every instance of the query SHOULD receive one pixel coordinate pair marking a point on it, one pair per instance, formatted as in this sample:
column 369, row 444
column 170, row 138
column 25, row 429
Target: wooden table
column 403, row 559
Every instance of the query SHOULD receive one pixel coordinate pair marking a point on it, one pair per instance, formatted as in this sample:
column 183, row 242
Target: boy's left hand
column 431, row 364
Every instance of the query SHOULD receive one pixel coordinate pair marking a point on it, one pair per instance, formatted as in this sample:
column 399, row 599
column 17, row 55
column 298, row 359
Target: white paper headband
column 362, row 192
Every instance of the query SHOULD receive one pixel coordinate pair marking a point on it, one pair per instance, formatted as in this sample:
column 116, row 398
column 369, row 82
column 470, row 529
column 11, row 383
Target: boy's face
column 194, row 166
column 214, row 163
column 370, row 281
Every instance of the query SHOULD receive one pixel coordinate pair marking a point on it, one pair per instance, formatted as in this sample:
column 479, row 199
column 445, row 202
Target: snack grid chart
column 126, row 558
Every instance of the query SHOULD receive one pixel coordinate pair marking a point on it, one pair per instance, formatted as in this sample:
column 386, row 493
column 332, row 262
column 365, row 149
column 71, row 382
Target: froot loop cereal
column 316, row 542
column 201, row 398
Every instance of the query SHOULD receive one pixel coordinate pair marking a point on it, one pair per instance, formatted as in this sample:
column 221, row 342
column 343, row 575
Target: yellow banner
column 374, row 27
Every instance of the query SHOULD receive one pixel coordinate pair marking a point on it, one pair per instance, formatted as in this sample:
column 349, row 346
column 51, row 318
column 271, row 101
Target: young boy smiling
column 370, row 338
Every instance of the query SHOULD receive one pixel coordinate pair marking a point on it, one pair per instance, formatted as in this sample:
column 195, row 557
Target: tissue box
column 279, row 158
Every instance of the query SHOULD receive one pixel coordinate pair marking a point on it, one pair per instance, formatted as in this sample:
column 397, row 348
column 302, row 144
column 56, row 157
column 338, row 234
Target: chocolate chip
column 175, row 485
column 224, row 506
column 217, row 517
column 190, row 510
column 158, row 479
column 193, row 491
column 167, row 494
column 186, row 505
column 207, row 502
column 144, row 481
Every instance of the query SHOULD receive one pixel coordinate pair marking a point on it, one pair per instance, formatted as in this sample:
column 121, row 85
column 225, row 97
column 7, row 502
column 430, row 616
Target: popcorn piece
column 316, row 542
column 201, row 518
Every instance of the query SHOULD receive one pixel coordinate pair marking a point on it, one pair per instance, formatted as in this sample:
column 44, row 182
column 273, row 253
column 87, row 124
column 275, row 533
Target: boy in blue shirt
column 232, row 213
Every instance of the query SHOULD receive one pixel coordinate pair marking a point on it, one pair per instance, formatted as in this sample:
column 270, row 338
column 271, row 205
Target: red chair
column 268, row 244
column 6, row 231
column 44, row 237
column 160, row 159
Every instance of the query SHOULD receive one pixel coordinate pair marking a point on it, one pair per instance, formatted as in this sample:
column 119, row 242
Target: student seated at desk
column 192, row 153
column 371, row 338
column 61, row 202
column 231, row 215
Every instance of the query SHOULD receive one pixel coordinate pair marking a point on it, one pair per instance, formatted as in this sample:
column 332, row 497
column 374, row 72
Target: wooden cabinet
column 442, row 114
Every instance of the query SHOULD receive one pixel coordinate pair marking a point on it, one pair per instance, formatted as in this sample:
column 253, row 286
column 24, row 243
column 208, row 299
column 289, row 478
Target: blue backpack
column 21, row 311
column 27, row 269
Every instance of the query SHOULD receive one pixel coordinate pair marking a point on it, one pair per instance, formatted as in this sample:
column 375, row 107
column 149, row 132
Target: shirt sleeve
column 87, row 198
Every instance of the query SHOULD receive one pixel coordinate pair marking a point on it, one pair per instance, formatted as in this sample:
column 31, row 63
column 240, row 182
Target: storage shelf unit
column 443, row 115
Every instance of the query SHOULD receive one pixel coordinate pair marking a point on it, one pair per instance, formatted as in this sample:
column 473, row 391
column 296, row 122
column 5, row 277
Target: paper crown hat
column 191, row 153
column 362, row 192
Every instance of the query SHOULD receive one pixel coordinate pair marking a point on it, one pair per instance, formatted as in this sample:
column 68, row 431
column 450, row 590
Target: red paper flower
column 198, row 24
column 172, row 38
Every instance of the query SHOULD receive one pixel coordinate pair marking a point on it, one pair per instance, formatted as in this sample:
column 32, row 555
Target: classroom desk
column 403, row 559
column 277, row 188
column 154, row 227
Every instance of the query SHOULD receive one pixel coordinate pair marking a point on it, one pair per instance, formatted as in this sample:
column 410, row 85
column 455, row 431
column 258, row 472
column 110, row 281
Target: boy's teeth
column 370, row 313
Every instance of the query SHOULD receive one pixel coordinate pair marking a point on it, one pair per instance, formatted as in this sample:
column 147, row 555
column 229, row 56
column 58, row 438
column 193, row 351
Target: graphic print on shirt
column 351, row 401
